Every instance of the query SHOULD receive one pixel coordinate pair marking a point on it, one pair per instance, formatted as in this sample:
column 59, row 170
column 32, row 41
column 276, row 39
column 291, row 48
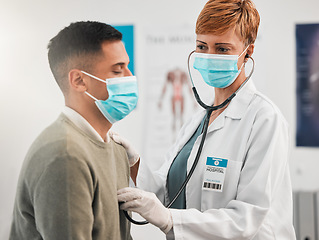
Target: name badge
column 214, row 175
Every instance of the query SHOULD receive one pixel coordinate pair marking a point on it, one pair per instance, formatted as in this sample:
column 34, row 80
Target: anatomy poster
column 168, row 94
column 307, row 36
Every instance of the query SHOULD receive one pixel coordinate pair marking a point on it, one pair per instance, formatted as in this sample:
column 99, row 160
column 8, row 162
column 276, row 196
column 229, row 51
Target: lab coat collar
column 237, row 107
column 235, row 110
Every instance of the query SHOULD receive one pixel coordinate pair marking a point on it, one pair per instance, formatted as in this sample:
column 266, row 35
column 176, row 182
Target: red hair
column 219, row 16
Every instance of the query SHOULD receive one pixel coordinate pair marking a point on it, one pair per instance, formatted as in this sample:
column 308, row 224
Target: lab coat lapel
column 235, row 110
column 217, row 124
column 237, row 107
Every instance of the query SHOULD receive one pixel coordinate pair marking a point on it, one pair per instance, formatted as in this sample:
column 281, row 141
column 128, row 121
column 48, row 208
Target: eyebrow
column 201, row 42
column 216, row 44
column 118, row 64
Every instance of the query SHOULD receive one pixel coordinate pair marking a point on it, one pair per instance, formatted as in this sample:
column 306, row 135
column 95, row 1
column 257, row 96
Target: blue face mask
column 218, row 70
column 123, row 96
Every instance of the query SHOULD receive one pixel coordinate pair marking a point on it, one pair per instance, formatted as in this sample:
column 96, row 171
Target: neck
column 101, row 125
column 93, row 115
column 221, row 94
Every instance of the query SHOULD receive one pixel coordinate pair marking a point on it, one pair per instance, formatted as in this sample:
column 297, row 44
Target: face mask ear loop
column 92, row 76
column 91, row 96
column 241, row 66
column 248, row 77
column 244, row 51
column 241, row 55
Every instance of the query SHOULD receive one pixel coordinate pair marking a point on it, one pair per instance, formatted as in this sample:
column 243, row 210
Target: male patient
column 69, row 180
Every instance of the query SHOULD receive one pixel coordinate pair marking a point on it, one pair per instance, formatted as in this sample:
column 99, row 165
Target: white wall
column 30, row 99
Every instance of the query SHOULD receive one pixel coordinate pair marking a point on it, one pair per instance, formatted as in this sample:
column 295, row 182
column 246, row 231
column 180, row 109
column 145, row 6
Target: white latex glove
column 132, row 154
column 147, row 205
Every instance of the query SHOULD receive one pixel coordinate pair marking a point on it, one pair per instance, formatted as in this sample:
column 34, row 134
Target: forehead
column 230, row 37
column 114, row 52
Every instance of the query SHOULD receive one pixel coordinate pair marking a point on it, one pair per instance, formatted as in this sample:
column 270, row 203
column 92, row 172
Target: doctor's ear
column 250, row 51
column 76, row 80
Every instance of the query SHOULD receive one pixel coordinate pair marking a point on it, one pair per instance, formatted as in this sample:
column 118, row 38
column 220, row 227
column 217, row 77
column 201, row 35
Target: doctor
column 241, row 186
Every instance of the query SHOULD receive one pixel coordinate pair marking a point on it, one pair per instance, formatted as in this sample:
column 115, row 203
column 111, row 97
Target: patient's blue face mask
column 123, row 96
column 218, row 70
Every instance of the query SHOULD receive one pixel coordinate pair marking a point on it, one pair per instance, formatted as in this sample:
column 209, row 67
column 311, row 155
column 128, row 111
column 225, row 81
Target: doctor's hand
column 132, row 154
column 147, row 205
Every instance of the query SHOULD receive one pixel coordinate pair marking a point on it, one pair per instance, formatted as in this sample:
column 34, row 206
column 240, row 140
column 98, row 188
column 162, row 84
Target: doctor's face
column 228, row 43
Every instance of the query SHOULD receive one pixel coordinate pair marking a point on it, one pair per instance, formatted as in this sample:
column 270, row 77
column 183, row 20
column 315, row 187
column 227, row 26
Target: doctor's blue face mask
column 123, row 96
column 218, row 70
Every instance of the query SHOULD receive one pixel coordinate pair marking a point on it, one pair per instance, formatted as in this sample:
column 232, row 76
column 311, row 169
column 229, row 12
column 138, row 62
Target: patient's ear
column 77, row 81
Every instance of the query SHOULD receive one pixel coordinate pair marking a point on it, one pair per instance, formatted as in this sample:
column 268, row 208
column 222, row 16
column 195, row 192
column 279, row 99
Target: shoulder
column 264, row 117
column 57, row 139
column 252, row 103
column 266, row 108
column 58, row 146
column 256, row 111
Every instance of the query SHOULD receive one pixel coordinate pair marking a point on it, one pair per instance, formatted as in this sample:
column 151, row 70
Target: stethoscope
column 209, row 110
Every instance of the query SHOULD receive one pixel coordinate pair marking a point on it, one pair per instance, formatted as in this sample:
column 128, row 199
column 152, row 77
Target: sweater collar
column 83, row 124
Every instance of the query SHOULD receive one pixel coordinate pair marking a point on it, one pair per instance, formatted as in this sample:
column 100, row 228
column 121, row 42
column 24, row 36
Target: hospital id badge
column 214, row 175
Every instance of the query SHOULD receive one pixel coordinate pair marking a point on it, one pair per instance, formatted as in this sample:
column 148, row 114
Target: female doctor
column 240, row 188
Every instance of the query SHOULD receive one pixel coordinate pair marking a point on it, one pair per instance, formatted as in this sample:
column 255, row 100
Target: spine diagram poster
column 168, row 93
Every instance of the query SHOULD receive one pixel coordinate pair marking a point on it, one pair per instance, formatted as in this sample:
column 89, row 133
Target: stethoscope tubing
column 205, row 127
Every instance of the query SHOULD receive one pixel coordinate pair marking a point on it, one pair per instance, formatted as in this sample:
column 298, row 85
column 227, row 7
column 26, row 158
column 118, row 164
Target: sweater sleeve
column 62, row 200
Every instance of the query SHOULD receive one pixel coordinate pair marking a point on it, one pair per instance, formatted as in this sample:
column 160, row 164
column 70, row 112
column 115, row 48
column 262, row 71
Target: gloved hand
column 147, row 205
column 132, row 154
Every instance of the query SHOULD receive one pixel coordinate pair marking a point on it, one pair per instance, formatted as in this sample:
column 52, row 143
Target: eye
column 222, row 50
column 201, row 47
column 117, row 72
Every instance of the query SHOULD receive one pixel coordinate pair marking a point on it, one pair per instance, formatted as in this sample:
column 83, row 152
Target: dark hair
column 77, row 46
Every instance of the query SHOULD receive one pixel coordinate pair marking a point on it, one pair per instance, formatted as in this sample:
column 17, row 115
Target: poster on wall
column 128, row 40
column 307, row 44
column 168, row 94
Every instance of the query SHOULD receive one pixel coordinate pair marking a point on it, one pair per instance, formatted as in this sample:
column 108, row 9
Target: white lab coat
column 256, row 202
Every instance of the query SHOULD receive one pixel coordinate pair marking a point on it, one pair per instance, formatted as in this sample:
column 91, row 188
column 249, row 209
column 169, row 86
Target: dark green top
column 178, row 170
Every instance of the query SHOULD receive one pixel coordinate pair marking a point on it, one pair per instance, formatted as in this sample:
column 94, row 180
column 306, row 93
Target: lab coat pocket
column 219, row 198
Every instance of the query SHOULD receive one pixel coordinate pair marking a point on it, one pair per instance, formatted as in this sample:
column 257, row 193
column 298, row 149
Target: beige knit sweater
column 68, row 187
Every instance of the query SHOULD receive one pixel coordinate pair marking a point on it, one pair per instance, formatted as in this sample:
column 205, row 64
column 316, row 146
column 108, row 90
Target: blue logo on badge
column 217, row 162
